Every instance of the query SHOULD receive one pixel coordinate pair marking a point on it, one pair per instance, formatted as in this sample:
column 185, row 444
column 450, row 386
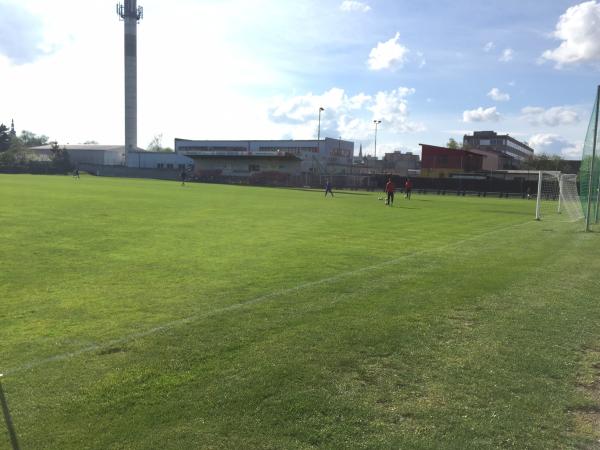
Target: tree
column 547, row 162
column 155, row 144
column 30, row 139
column 17, row 153
column 5, row 138
column 60, row 157
column 453, row 144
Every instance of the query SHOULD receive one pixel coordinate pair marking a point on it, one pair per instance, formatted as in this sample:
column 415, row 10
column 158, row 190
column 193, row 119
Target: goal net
column 557, row 194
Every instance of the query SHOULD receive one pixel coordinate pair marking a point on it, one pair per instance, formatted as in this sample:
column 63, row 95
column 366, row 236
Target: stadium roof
column 114, row 148
column 232, row 154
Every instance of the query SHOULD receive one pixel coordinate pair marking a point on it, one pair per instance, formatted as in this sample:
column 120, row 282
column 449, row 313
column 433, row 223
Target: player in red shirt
column 408, row 188
column 389, row 188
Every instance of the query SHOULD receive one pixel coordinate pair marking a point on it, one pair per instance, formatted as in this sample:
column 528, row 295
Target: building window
column 169, row 166
column 160, row 166
column 253, row 168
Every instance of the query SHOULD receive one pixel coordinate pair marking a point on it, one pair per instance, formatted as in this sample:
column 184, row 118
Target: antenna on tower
column 129, row 11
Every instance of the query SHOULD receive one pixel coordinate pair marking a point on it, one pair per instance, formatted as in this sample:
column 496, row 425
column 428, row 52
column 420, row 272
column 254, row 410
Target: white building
column 328, row 156
column 110, row 155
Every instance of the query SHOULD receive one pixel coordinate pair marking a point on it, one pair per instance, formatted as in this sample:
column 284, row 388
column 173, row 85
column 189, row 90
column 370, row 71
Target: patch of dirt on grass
column 462, row 320
column 587, row 416
column 111, row 350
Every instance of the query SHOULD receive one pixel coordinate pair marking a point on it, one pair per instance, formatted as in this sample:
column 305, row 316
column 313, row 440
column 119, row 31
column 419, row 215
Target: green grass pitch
column 141, row 314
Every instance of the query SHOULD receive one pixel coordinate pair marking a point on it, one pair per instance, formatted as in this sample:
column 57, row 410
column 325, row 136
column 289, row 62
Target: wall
column 130, row 172
column 439, row 161
column 151, row 160
column 491, row 161
column 240, row 166
column 79, row 157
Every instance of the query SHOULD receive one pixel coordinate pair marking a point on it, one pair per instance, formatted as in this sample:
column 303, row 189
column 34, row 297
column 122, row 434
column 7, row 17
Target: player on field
column 389, row 189
column 76, row 173
column 328, row 188
column 182, row 175
column 408, row 188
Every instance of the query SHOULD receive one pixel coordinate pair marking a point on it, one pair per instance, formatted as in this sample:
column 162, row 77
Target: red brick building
column 440, row 162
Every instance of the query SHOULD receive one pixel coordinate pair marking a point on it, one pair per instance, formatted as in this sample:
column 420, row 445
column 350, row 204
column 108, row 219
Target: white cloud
column 579, row 30
column 507, row 55
column 498, row 96
column 488, row 47
column 552, row 117
column 301, row 108
column 553, row 144
column 392, row 109
column 422, row 60
column 352, row 5
column 387, row 54
column 358, row 101
column 21, row 37
column 481, row 115
column 344, row 115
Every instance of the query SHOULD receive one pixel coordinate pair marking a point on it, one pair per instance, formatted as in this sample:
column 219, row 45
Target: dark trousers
column 390, row 198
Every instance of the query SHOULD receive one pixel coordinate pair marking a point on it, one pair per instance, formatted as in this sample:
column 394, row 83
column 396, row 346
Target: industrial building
column 245, row 158
column 441, row 162
column 158, row 160
column 108, row 155
column 402, row 164
column 510, row 151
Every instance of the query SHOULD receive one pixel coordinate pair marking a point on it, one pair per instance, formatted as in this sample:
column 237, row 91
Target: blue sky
column 244, row 69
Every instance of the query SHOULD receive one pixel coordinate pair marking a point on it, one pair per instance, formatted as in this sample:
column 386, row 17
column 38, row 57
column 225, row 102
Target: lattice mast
column 130, row 14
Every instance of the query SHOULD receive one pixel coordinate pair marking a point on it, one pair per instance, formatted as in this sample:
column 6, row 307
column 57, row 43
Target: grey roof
column 113, row 148
column 245, row 155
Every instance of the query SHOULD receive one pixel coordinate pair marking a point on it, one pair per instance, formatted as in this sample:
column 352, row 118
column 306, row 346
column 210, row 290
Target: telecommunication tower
column 130, row 14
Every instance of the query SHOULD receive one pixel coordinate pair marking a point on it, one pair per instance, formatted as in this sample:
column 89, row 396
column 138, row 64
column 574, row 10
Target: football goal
column 557, row 194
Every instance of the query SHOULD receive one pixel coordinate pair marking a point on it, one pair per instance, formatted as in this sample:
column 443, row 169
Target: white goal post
column 557, row 192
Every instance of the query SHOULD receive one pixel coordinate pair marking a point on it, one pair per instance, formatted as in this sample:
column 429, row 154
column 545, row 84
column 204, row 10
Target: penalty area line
column 194, row 317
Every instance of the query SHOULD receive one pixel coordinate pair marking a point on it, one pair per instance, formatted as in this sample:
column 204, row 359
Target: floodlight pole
column 591, row 177
column 376, row 122
column 9, row 425
column 319, row 130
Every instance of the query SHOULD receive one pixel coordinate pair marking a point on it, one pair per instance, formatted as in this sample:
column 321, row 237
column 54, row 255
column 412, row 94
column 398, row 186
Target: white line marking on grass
column 262, row 298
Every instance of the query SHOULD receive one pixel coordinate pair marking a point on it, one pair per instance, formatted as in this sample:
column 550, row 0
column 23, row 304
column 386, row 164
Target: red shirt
column 389, row 187
column 408, row 184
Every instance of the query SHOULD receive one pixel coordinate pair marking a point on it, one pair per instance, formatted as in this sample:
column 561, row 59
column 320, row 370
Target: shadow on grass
column 504, row 211
column 404, row 207
column 334, row 192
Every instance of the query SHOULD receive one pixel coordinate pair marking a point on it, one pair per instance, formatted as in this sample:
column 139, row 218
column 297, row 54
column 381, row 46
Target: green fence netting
column 590, row 177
